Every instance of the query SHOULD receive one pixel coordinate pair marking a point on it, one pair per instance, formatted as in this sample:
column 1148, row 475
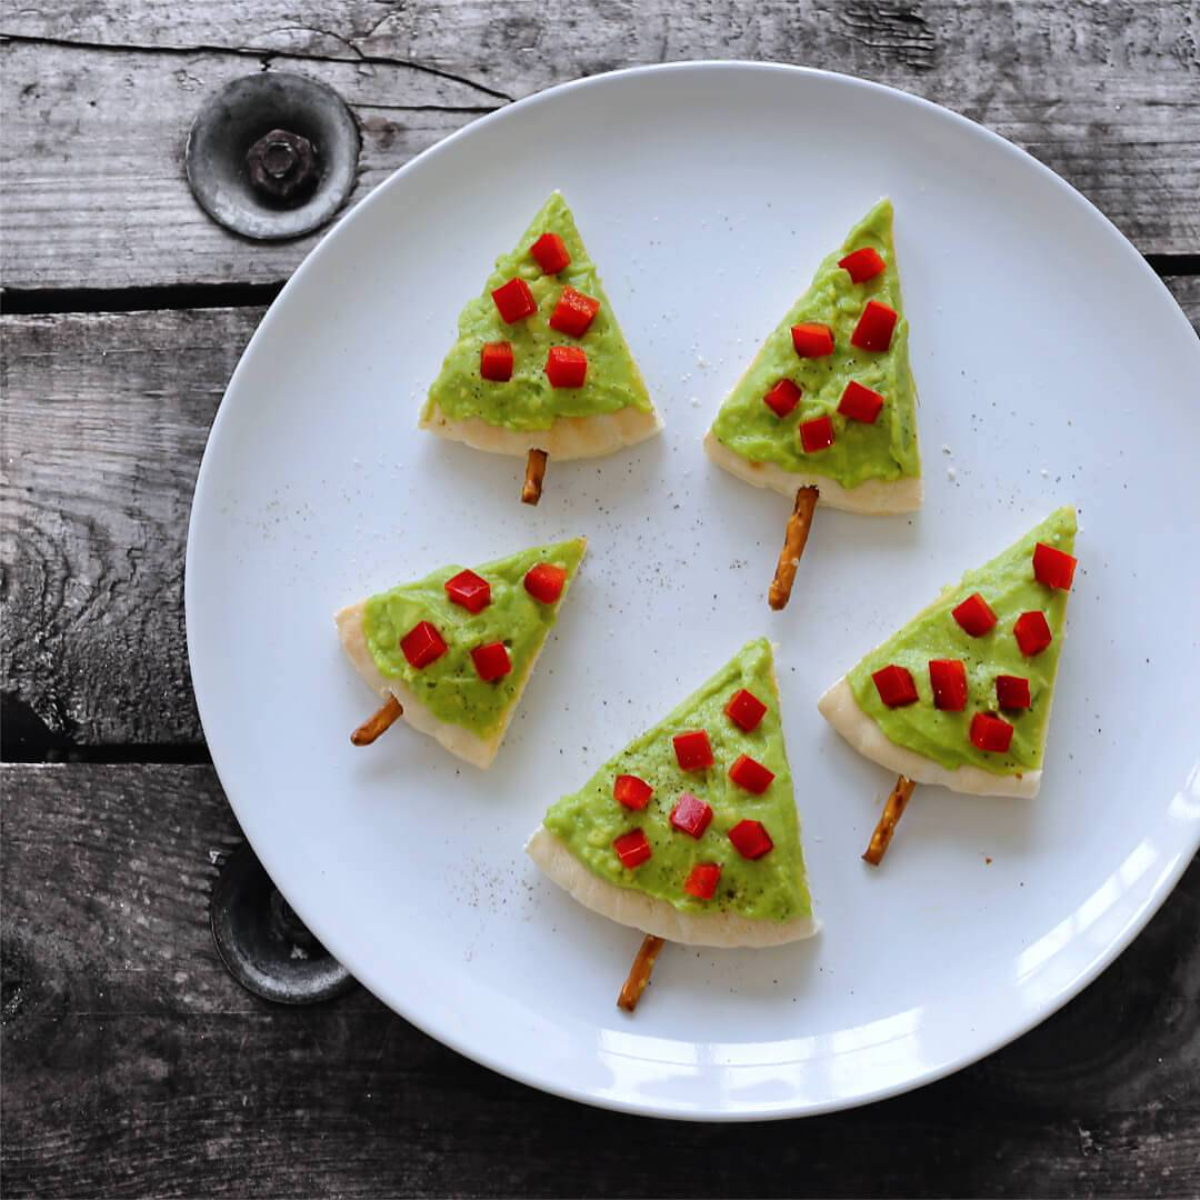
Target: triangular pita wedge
column 447, row 698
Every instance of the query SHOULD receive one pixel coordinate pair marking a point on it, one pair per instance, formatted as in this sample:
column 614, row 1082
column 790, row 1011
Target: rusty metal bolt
column 283, row 165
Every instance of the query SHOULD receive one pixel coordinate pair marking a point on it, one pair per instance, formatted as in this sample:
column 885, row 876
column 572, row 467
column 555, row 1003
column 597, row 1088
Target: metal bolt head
column 283, row 165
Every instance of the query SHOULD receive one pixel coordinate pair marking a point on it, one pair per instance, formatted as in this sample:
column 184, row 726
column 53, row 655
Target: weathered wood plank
column 104, row 422
column 134, row 1066
column 1106, row 94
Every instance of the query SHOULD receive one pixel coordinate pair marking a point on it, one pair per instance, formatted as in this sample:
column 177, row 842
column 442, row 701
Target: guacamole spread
column 771, row 887
column 451, row 686
column 527, row 400
column 1009, row 587
column 885, row 449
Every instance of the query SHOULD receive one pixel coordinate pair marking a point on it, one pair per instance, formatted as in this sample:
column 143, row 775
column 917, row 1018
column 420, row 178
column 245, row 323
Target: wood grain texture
column 134, row 1066
column 101, row 434
column 96, row 100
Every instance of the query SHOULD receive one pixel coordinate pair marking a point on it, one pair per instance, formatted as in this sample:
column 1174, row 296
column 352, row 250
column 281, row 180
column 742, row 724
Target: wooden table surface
column 132, row 1064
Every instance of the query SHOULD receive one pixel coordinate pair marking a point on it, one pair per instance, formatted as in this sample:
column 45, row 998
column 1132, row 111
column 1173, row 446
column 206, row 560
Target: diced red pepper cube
column 860, row 403
column 1033, row 633
column 691, row 815
column 948, row 678
column 895, row 686
column 702, row 880
column 632, row 848
column 863, row 264
column 750, row 839
column 812, row 341
column 974, row 615
column 566, row 367
column 491, row 661
column 550, row 253
column 783, row 397
column 545, row 582
column 1054, row 568
column 422, row 644
column 632, row 792
column 692, row 751
column 874, row 328
column 496, row 362
column 514, row 301
column 745, row 710
column 1012, row 691
column 574, row 312
column 751, row 775
column 816, row 434
column 472, row 591
column 991, row 734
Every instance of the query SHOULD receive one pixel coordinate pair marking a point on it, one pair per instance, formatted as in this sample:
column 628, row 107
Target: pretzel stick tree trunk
column 378, row 722
column 639, row 973
column 794, row 539
column 893, row 810
column 535, row 472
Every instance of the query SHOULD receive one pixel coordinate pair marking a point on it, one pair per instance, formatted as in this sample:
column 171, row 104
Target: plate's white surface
column 1052, row 366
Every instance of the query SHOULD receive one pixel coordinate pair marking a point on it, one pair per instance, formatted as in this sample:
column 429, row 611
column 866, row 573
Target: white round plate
column 1053, row 367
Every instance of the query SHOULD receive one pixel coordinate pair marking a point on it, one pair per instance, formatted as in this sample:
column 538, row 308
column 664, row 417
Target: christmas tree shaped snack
column 961, row 695
column 453, row 652
column 690, row 834
column 540, row 367
column 827, row 411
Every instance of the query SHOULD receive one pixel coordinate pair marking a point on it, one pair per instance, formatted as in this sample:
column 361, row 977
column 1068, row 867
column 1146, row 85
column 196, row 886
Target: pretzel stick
column 377, row 723
column 893, row 810
column 798, row 526
column 639, row 973
column 535, row 472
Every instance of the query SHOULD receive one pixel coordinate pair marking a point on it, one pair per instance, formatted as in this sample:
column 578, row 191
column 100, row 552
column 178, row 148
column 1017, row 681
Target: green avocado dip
column 527, row 401
column 772, row 887
column 885, row 450
column 450, row 687
column 1008, row 585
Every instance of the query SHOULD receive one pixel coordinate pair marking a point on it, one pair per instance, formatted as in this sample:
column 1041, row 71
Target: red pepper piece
column 863, row 264
column 874, row 328
column 948, row 678
column 860, row 403
column 991, row 734
column 1033, row 633
column 566, row 367
column 702, row 881
column 551, row 253
column 1054, row 568
column 1012, row 691
column 816, row 434
column 496, row 362
column 750, row 839
column 574, row 312
column 472, row 591
column 691, row 815
column 783, row 397
column 812, row 341
column 545, row 582
column 632, row 848
column 491, row 661
column 745, row 710
column 632, row 792
column 895, row 686
column 974, row 615
column 692, row 751
column 422, row 644
column 751, row 775
column 515, row 301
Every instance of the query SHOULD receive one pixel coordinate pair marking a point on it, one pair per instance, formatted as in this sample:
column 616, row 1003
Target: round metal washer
column 235, row 118
column 263, row 943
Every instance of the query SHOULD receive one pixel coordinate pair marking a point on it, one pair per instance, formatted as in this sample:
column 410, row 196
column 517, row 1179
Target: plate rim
column 364, row 972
